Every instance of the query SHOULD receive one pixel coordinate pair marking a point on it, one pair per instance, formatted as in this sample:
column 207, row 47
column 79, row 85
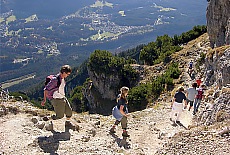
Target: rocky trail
column 148, row 130
column 24, row 131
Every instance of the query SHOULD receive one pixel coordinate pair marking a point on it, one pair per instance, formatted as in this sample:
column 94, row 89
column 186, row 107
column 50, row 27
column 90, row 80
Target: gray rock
column 49, row 126
column 40, row 125
column 34, row 119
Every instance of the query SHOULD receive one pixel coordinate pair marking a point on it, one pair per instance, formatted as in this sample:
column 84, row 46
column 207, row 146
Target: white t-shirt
column 192, row 92
column 60, row 93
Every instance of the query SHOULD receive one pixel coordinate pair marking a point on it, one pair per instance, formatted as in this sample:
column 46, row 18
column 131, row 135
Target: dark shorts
column 189, row 102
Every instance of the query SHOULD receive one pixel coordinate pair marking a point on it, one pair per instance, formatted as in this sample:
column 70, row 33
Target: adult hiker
column 55, row 92
column 177, row 105
column 120, row 112
column 190, row 68
column 190, row 64
column 191, row 94
column 198, row 98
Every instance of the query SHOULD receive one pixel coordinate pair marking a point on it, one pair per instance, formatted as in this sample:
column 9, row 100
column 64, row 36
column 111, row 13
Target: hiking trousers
column 196, row 105
column 177, row 109
column 123, row 122
column 189, row 102
column 61, row 107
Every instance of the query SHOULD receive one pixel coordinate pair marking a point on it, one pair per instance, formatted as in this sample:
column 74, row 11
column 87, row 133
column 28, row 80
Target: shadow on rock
column 50, row 144
column 121, row 142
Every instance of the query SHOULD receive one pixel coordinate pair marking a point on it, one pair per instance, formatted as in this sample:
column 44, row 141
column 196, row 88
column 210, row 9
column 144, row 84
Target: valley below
column 56, row 38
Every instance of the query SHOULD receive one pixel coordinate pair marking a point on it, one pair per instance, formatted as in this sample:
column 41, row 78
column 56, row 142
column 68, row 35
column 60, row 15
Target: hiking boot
column 112, row 130
column 125, row 134
column 69, row 125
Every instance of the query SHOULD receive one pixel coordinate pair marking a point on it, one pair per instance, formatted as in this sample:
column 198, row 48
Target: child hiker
column 120, row 112
column 199, row 97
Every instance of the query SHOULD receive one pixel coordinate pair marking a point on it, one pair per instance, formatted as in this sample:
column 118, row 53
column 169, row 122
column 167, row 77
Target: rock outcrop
column 105, row 83
column 218, row 22
column 219, row 111
column 217, row 66
column 217, row 72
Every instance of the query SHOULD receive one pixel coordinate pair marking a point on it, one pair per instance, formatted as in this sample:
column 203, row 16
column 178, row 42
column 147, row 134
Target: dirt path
column 149, row 129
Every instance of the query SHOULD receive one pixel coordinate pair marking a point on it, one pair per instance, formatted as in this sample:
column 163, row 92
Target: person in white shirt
column 55, row 92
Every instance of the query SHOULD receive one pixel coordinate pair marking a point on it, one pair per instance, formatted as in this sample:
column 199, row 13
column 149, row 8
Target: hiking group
column 54, row 91
column 192, row 96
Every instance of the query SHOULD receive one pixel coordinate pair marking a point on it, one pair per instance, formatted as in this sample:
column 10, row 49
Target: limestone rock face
column 217, row 72
column 220, row 110
column 218, row 69
column 218, row 22
column 101, row 92
column 105, row 84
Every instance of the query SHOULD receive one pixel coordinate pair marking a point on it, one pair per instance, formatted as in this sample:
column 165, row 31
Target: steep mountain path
column 155, row 128
column 150, row 129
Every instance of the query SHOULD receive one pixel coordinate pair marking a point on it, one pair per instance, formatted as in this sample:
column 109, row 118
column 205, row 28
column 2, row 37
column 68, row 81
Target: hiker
column 190, row 64
column 198, row 81
column 198, row 98
column 177, row 105
column 190, row 68
column 120, row 112
column 190, row 95
column 55, row 92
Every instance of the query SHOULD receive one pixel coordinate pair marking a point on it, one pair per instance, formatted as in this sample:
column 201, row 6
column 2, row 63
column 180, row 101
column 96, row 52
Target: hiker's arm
column 185, row 104
column 173, row 102
column 51, row 85
column 44, row 99
column 122, row 111
column 186, row 94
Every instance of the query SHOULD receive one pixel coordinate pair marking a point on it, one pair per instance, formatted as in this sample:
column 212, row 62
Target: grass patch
column 10, row 19
column 103, row 36
column 101, row 4
column 31, row 18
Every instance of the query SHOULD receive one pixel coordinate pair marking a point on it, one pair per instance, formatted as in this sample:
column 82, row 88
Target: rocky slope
column 23, row 129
